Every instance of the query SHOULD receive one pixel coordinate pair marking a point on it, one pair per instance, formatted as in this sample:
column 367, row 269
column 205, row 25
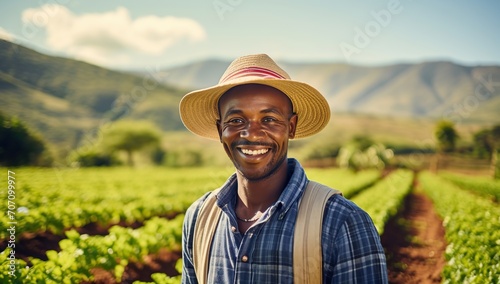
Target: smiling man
column 256, row 123
column 248, row 231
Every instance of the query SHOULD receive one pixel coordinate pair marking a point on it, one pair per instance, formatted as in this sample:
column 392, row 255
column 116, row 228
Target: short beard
column 268, row 174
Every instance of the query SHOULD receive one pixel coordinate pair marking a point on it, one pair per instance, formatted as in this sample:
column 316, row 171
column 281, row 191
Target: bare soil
column 414, row 243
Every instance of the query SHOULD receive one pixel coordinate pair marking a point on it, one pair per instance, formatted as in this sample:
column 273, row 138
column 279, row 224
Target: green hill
column 67, row 100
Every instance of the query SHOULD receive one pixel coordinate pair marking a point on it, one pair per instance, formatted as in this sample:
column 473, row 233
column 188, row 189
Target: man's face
column 255, row 124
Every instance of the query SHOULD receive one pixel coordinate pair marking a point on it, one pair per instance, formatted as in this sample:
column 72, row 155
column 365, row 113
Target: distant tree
column 18, row 145
column 131, row 136
column 483, row 145
column 93, row 157
column 495, row 165
column 158, row 155
column 446, row 136
column 487, row 143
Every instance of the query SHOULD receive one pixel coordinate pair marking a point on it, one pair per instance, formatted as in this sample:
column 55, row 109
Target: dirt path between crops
column 414, row 243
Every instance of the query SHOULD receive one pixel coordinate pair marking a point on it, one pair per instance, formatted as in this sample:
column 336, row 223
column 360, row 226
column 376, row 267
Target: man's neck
column 254, row 196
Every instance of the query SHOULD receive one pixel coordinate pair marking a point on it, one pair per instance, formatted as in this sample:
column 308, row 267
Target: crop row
column 479, row 184
column 383, row 200
column 55, row 200
column 348, row 182
column 80, row 254
column 472, row 226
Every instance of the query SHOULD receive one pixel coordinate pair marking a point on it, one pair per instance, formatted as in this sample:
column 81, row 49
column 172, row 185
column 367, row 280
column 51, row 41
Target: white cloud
column 106, row 38
column 6, row 35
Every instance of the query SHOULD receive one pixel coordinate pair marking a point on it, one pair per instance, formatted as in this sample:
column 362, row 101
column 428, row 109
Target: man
column 254, row 111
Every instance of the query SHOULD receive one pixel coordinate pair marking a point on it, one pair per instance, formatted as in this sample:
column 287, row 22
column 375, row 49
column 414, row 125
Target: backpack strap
column 204, row 229
column 307, row 253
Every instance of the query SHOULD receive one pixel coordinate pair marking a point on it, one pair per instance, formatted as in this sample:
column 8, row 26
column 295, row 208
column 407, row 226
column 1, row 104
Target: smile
column 254, row 152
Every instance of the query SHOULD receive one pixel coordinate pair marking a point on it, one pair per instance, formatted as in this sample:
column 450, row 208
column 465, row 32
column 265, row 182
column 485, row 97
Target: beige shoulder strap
column 307, row 253
column 204, row 229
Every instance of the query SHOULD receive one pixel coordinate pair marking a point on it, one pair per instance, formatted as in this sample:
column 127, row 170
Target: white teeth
column 254, row 152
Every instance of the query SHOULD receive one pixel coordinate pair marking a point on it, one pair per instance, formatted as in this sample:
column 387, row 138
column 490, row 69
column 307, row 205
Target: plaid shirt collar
column 291, row 194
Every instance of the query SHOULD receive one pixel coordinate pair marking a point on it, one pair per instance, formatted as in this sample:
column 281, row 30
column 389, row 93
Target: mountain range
column 66, row 100
column 438, row 89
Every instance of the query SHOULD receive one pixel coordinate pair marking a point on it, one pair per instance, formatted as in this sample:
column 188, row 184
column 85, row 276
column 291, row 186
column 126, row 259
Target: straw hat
column 199, row 109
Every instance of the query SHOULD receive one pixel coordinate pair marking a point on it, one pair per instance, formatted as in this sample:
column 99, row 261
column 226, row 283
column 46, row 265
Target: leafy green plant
column 390, row 193
column 79, row 254
column 345, row 180
column 161, row 278
column 472, row 226
column 477, row 184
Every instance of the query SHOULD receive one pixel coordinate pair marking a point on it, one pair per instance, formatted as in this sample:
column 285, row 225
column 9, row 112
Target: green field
column 139, row 212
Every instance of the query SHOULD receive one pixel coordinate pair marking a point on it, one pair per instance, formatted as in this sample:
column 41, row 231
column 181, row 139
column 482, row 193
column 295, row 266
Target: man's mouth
column 254, row 152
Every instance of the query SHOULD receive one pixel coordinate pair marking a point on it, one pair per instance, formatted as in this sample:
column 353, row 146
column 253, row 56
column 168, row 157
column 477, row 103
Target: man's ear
column 219, row 129
column 293, row 125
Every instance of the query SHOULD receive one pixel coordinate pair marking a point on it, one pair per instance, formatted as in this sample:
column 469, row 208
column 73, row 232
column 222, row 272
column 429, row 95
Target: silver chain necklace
column 248, row 220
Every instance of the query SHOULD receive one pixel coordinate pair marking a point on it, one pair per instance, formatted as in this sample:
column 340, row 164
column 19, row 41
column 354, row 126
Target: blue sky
column 158, row 34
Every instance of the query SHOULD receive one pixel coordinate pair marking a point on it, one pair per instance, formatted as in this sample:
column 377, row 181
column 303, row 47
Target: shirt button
column 233, row 229
column 244, row 258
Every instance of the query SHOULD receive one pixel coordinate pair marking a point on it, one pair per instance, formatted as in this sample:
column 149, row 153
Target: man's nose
column 253, row 131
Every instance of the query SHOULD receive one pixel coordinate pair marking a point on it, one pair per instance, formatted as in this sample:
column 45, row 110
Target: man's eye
column 269, row 119
column 235, row 120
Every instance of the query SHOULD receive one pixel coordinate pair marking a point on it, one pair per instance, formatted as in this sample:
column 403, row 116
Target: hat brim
column 199, row 110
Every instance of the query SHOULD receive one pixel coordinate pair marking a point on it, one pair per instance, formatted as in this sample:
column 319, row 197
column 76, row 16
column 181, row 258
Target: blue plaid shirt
column 351, row 247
